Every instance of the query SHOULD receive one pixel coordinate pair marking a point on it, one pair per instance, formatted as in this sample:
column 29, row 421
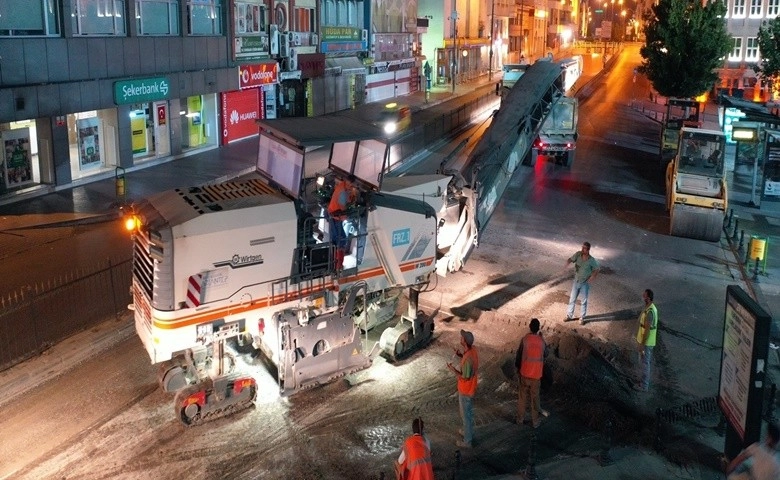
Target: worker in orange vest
column 467, row 385
column 415, row 462
column 344, row 196
column 530, row 365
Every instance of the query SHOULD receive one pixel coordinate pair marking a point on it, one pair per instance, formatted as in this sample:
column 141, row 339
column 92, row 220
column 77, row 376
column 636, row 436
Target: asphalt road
column 104, row 419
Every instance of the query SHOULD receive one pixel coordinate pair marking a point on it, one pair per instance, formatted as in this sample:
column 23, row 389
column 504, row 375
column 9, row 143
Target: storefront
column 151, row 115
column 255, row 100
column 20, row 166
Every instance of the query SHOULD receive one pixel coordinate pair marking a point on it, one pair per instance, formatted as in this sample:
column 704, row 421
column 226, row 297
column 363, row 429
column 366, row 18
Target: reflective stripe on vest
column 418, row 459
column 468, row 387
column 650, row 342
column 532, row 363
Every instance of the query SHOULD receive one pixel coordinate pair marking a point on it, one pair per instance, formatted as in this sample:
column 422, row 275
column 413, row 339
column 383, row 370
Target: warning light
column 132, row 223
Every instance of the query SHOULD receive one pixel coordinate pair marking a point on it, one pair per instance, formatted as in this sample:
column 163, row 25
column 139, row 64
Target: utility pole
column 522, row 32
column 454, row 65
column 492, row 38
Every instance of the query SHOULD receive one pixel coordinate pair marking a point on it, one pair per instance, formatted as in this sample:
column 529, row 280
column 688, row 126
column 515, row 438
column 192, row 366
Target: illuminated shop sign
column 140, row 91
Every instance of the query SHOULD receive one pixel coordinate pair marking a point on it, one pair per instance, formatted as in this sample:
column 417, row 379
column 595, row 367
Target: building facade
column 743, row 19
column 92, row 88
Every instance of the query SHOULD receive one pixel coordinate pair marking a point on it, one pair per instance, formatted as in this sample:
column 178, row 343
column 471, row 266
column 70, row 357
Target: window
column 304, row 20
column 751, row 49
column 98, row 17
column 341, row 13
column 736, row 49
column 250, row 17
column 330, row 13
column 773, row 8
column 157, row 17
column 755, row 8
column 29, row 17
column 739, row 8
column 204, row 17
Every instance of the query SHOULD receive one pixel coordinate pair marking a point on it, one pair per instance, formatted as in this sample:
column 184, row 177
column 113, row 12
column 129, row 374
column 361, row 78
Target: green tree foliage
column 685, row 42
column 769, row 48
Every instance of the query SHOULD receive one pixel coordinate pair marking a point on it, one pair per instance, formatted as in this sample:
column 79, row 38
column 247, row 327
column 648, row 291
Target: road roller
column 696, row 190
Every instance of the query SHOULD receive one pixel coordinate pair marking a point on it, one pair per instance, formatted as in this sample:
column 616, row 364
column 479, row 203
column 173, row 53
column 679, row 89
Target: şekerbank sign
column 140, row 91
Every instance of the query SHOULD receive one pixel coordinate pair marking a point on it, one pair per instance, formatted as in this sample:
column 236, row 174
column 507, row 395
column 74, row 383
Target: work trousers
column 467, row 415
column 576, row 289
column 529, row 390
column 645, row 362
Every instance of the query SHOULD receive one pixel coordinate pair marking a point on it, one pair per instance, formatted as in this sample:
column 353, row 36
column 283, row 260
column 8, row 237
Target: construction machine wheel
column 696, row 222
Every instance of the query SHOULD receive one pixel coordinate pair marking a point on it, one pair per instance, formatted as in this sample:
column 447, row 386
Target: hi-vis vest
column 340, row 200
column 417, row 464
column 532, row 363
column 468, row 387
column 653, row 326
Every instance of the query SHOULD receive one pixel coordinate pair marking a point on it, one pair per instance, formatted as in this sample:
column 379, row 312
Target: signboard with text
column 743, row 368
column 141, row 91
column 256, row 75
column 240, row 110
column 343, row 39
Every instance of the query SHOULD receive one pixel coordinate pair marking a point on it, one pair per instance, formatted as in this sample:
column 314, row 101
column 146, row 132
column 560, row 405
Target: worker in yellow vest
column 645, row 338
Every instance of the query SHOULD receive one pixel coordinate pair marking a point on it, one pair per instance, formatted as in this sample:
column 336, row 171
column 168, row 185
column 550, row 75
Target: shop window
column 92, row 137
column 99, row 17
column 204, row 17
column 19, row 167
column 29, row 18
column 157, row 17
column 198, row 121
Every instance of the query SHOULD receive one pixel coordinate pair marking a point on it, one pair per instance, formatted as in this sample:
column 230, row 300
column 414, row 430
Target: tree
column 769, row 49
column 685, row 42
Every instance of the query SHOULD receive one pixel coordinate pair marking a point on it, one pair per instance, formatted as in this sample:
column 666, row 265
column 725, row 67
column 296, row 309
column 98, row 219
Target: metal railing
column 38, row 316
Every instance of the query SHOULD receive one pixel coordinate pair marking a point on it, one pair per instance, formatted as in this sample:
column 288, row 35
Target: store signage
column 240, row 112
column 330, row 34
column 335, row 47
column 311, row 65
column 140, row 91
column 250, row 76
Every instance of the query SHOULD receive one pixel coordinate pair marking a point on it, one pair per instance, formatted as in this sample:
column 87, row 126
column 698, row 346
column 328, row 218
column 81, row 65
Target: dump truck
column 558, row 136
column 696, row 191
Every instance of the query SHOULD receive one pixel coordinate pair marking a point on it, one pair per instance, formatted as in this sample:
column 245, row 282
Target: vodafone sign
column 240, row 110
column 257, row 75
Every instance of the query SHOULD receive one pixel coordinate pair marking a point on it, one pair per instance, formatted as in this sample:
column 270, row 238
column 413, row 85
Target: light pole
column 454, row 64
column 492, row 29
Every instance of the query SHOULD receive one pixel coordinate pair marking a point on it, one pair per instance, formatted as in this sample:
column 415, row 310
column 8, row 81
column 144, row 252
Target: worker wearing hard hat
column 467, row 385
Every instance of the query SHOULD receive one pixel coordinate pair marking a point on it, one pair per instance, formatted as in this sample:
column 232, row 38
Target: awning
column 347, row 64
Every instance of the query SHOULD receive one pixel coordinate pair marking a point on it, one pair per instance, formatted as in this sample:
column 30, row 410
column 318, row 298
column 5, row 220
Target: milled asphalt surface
column 96, row 201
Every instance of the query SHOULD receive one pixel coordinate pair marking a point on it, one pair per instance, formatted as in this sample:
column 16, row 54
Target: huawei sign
column 256, row 75
column 240, row 111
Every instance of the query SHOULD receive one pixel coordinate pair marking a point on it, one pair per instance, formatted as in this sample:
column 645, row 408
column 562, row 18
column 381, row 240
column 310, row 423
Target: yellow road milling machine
column 696, row 193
